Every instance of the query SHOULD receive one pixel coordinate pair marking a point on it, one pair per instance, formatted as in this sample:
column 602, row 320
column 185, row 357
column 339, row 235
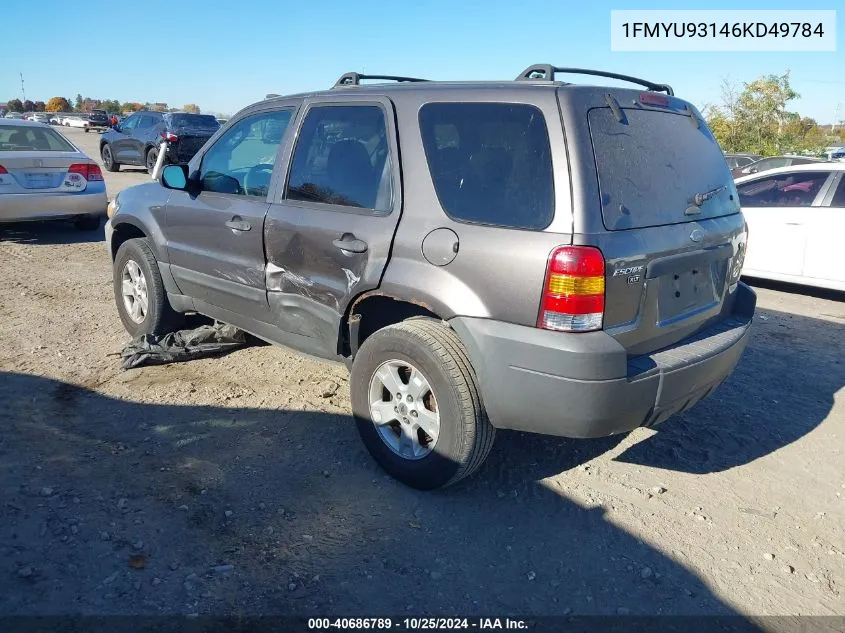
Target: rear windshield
column 20, row 138
column 490, row 162
column 652, row 164
column 193, row 121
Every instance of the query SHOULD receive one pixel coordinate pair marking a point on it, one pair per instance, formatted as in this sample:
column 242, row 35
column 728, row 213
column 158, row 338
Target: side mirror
column 175, row 177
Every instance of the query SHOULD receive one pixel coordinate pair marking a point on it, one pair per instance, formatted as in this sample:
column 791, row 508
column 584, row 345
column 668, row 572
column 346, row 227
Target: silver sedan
column 43, row 176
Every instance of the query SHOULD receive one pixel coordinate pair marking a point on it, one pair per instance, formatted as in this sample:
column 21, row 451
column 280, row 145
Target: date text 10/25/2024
column 416, row 624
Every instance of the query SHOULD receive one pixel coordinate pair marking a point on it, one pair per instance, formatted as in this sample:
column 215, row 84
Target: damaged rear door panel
column 329, row 231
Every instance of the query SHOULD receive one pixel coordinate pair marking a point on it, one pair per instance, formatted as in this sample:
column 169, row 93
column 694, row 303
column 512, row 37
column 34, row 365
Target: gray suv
column 529, row 254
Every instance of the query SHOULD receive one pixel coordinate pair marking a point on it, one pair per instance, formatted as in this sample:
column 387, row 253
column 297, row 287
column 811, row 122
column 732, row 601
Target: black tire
column 87, row 130
column 466, row 435
column 87, row 223
column 160, row 317
column 108, row 159
column 150, row 159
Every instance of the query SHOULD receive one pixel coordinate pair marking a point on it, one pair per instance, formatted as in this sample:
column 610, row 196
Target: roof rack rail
column 546, row 72
column 354, row 79
column 271, row 95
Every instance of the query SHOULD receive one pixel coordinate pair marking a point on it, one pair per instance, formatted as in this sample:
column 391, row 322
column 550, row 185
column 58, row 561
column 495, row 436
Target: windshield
column 193, row 121
column 654, row 165
column 20, row 138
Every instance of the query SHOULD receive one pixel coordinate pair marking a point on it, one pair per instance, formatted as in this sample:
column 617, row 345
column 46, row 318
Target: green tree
column 40, row 106
column 58, row 104
column 756, row 118
column 77, row 104
column 191, row 107
column 14, row 105
column 28, row 106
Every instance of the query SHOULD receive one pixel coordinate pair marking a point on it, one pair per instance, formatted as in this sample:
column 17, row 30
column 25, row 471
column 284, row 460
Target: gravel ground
column 239, row 485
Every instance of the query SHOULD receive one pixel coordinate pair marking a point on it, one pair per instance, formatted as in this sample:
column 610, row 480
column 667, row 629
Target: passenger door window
column 342, row 158
column 130, row 124
column 795, row 189
column 241, row 161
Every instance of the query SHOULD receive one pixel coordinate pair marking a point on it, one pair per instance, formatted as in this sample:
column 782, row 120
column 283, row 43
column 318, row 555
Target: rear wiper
column 700, row 198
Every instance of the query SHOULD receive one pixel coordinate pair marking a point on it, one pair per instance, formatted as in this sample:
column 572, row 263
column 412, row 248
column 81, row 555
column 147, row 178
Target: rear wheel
column 139, row 291
column 416, row 404
column 150, row 160
column 108, row 158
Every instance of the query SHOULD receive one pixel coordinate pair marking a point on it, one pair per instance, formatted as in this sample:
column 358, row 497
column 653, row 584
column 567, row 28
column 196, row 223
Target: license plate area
column 688, row 291
column 37, row 181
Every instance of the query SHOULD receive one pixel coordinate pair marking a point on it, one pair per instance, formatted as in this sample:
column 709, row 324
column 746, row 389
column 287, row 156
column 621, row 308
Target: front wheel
column 417, row 406
column 139, row 291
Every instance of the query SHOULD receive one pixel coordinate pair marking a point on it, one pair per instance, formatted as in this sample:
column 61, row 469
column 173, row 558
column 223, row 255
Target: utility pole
column 23, row 92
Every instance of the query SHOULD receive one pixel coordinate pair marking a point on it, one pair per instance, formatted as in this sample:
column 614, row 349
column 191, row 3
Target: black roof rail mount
column 354, row 79
column 546, row 72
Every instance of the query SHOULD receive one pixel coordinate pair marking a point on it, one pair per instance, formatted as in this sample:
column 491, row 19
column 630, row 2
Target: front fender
column 145, row 207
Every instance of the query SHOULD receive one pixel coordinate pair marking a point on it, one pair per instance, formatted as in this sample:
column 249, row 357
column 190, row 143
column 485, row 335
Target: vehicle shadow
column 783, row 388
column 809, row 291
column 49, row 232
column 309, row 525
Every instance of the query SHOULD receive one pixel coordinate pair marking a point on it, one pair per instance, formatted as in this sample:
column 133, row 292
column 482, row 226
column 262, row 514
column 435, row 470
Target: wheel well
column 376, row 312
column 123, row 232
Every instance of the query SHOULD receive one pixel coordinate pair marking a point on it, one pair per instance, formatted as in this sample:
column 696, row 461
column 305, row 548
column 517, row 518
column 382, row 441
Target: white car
column 796, row 219
column 76, row 121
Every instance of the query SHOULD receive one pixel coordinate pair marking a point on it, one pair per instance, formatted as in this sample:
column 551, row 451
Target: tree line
column 755, row 118
column 86, row 104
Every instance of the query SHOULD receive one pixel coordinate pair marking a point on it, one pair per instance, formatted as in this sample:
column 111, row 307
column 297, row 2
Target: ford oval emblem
column 696, row 235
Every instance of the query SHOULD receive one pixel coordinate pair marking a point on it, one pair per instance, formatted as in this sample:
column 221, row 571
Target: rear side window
column 839, row 196
column 342, row 158
column 796, row 189
column 490, row 162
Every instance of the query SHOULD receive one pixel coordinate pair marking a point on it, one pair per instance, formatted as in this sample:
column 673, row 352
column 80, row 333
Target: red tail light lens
column 169, row 136
column 89, row 171
column 573, row 292
column 3, row 170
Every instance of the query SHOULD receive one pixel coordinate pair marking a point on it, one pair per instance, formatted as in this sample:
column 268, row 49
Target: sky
column 224, row 55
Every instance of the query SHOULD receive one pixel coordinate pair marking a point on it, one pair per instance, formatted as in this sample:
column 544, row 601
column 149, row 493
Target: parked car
column 97, row 120
column 43, row 176
column 80, row 121
column 796, row 217
column 736, row 161
column 473, row 269
column 40, row 117
column 773, row 162
column 136, row 140
column 13, row 115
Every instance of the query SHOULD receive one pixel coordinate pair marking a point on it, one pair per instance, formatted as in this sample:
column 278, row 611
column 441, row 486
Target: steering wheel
column 253, row 173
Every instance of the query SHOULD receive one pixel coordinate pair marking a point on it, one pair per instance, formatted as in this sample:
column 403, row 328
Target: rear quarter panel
column 497, row 272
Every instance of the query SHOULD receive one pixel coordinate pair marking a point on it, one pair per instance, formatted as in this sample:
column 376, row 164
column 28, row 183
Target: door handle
column 350, row 244
column 238, row 224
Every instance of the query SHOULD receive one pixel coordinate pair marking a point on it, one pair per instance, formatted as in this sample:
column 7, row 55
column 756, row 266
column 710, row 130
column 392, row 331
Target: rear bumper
column 584, row 385
column 18, row 207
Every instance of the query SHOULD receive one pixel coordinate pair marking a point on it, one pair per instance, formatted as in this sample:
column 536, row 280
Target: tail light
column 169, row 136
column 3, row 170
column 573, row 293
column 89, row 171
column 655, row 99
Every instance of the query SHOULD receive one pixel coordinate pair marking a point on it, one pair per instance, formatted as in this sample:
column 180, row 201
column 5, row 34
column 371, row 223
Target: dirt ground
column 239, row 485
